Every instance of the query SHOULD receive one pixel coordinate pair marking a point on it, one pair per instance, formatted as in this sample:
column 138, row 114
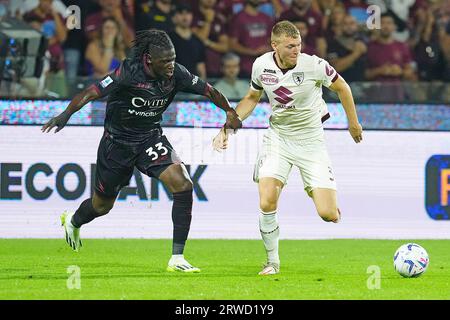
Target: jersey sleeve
column 113, row 81
column 188, row 82
column 325, row 72
column 255, row 83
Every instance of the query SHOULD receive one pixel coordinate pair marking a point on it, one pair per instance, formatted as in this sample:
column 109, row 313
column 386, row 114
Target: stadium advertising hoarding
column 383, row 186
column 189, row 113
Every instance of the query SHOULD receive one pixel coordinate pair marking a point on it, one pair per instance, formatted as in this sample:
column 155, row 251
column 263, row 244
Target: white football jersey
column 295, row 95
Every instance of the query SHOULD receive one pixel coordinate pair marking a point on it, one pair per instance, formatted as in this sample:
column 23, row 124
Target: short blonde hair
column 286, row 28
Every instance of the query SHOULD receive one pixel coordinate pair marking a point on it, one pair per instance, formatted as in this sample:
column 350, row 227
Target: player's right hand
column 356, row 132
column 220, row 142
column 59, row 122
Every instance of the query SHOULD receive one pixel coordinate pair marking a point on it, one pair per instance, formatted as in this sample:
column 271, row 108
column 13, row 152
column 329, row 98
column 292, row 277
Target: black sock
column 84, row 214
column 181, row 217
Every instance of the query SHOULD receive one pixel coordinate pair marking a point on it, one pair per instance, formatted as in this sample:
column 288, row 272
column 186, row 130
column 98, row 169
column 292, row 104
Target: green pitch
column 135, row 269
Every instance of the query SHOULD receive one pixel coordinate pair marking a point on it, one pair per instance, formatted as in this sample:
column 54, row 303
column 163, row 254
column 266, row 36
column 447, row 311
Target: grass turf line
column 135, row 269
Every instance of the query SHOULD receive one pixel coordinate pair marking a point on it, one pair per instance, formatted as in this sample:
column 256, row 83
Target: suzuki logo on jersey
column 139, row 102
column 298, row 77
column 437, row 187
column 194, row 80
column 329, row 70
column 283, row 95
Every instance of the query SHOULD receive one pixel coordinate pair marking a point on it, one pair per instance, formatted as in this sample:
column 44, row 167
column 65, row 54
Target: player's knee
column 329, row 214
column 103, row 208
column 267, row 205
column 184, row 185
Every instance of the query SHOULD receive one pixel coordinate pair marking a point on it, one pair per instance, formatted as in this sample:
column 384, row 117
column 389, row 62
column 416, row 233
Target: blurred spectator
column 357, row 9
column 414, row 15
column 443, row 26
column 210, row 26
column 302, row 9
column 388, row 59
column 334, row 27
column 272, row 8
column 189, row 48
column 302, row 26
column 325, row 7
column 402, row 14
column 104, row 54
column 249, row 35
column 222, row 8
column 17, row 8
column 347, row 52
column 157, row 15
column 232, row 87
column 46, row 20
column 75, row 45
column 409, row 16
column 113, row 9
column 427, row 52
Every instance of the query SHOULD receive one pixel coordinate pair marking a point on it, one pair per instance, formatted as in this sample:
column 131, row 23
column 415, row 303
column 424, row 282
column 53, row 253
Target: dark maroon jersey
column 379, row 54
column 251, row 32
column 136, row 101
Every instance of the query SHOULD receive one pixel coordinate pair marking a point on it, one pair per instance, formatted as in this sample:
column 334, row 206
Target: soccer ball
column 411, row 260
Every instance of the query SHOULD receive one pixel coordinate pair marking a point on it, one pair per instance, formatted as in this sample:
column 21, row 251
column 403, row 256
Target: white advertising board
column 381, row 187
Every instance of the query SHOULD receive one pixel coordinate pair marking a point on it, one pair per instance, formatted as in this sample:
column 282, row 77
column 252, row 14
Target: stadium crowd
column 219, row 39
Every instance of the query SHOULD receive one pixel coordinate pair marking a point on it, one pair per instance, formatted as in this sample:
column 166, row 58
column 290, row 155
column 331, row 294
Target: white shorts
column 279, row 154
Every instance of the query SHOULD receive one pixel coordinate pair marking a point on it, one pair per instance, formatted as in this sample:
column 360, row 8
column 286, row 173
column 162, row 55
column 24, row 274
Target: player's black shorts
column 116, row 161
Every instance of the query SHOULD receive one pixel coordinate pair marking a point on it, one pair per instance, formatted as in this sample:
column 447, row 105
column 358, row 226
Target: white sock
column 270, row 233
column 176, row 257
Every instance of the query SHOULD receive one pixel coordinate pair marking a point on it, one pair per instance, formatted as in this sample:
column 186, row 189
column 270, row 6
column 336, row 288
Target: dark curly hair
column 151, row 41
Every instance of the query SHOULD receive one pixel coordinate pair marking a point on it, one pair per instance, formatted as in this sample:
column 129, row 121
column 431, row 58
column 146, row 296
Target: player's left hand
column 233, row 120
column 356, row 132
column 59, row 122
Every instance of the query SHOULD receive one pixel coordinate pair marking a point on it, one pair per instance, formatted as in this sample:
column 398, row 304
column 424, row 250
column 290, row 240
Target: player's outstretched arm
column 345, row 96
column 244, row 108
column 88, row 94
column 233, row 121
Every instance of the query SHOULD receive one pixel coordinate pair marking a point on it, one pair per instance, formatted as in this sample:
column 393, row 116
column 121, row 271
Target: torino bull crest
column 298, row 77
